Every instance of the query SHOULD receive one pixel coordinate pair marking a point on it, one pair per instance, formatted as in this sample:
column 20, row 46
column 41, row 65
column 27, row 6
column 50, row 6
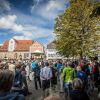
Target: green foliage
column 76, row 29
column 96, row 10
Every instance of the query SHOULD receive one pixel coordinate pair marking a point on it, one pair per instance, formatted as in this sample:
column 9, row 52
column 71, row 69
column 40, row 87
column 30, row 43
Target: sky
column 29, row 19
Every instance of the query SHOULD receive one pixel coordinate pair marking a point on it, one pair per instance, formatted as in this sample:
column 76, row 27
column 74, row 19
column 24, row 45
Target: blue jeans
column 67, row 89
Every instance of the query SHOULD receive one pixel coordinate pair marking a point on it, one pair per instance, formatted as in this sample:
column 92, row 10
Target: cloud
column 1, row 44
column 29, row 19
column 50, row 10
column 9, row 22
column 21, row 38
column 5, row 5
column 35, row 3
column 38, row 32
column 37, row 26
column 54, row 5
column 26, row 31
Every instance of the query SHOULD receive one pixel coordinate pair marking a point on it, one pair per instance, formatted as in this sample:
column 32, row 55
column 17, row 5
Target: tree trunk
column 81, row 55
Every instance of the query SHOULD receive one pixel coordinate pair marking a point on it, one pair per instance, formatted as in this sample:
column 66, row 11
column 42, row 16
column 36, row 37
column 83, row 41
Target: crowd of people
column 76, row 79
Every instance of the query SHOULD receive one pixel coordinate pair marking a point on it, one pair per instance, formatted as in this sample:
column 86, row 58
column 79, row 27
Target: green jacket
column 68, row 74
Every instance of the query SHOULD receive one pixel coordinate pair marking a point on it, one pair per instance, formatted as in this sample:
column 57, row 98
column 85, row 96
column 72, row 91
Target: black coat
column 78, row 95
column 54, row 76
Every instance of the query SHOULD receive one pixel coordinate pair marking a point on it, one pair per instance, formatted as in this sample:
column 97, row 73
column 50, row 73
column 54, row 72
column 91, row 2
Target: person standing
column 82, row 75
column 20, row 83
column 12, row 66
column 59, row 70
column 68, row 76
column 54, row 78
column 46, row 75
column 37, row 77
column 33, row 64
column 27, row 69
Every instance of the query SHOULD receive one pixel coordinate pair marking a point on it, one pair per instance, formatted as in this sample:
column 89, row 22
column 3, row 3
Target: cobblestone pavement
column 37, row 94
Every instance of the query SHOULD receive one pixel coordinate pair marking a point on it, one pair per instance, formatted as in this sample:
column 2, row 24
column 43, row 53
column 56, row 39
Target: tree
column 96, row 10
column 75, row 29
column 96, row 14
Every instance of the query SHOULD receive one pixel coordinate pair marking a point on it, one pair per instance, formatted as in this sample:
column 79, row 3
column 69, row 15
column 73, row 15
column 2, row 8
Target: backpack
column 17, row 79
column 81, row 75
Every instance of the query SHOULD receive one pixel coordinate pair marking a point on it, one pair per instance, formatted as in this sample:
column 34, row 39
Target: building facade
column 52, row 53
column 37, row 50
column 21, row 49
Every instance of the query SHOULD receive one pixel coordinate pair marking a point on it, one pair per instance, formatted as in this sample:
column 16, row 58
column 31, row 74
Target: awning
column 38, row 52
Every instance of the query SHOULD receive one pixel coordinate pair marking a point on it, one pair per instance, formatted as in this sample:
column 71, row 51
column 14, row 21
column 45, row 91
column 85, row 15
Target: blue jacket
column 82, row 75
column 11, row 96
column 34, row 64
column 59, row 67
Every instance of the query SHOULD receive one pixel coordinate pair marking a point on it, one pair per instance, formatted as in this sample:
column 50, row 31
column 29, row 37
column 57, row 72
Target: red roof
column 21, row 45
column 4, row 47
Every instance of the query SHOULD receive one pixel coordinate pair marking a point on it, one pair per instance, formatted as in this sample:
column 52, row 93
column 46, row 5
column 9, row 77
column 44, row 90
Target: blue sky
column 29, row 19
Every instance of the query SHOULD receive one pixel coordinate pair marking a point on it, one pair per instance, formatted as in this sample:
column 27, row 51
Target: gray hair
column 77, row 84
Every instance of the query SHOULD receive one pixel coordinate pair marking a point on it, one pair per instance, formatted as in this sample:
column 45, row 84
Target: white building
column 52, row 53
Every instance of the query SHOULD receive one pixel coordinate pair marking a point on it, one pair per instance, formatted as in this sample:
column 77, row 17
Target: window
column 26, row 55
